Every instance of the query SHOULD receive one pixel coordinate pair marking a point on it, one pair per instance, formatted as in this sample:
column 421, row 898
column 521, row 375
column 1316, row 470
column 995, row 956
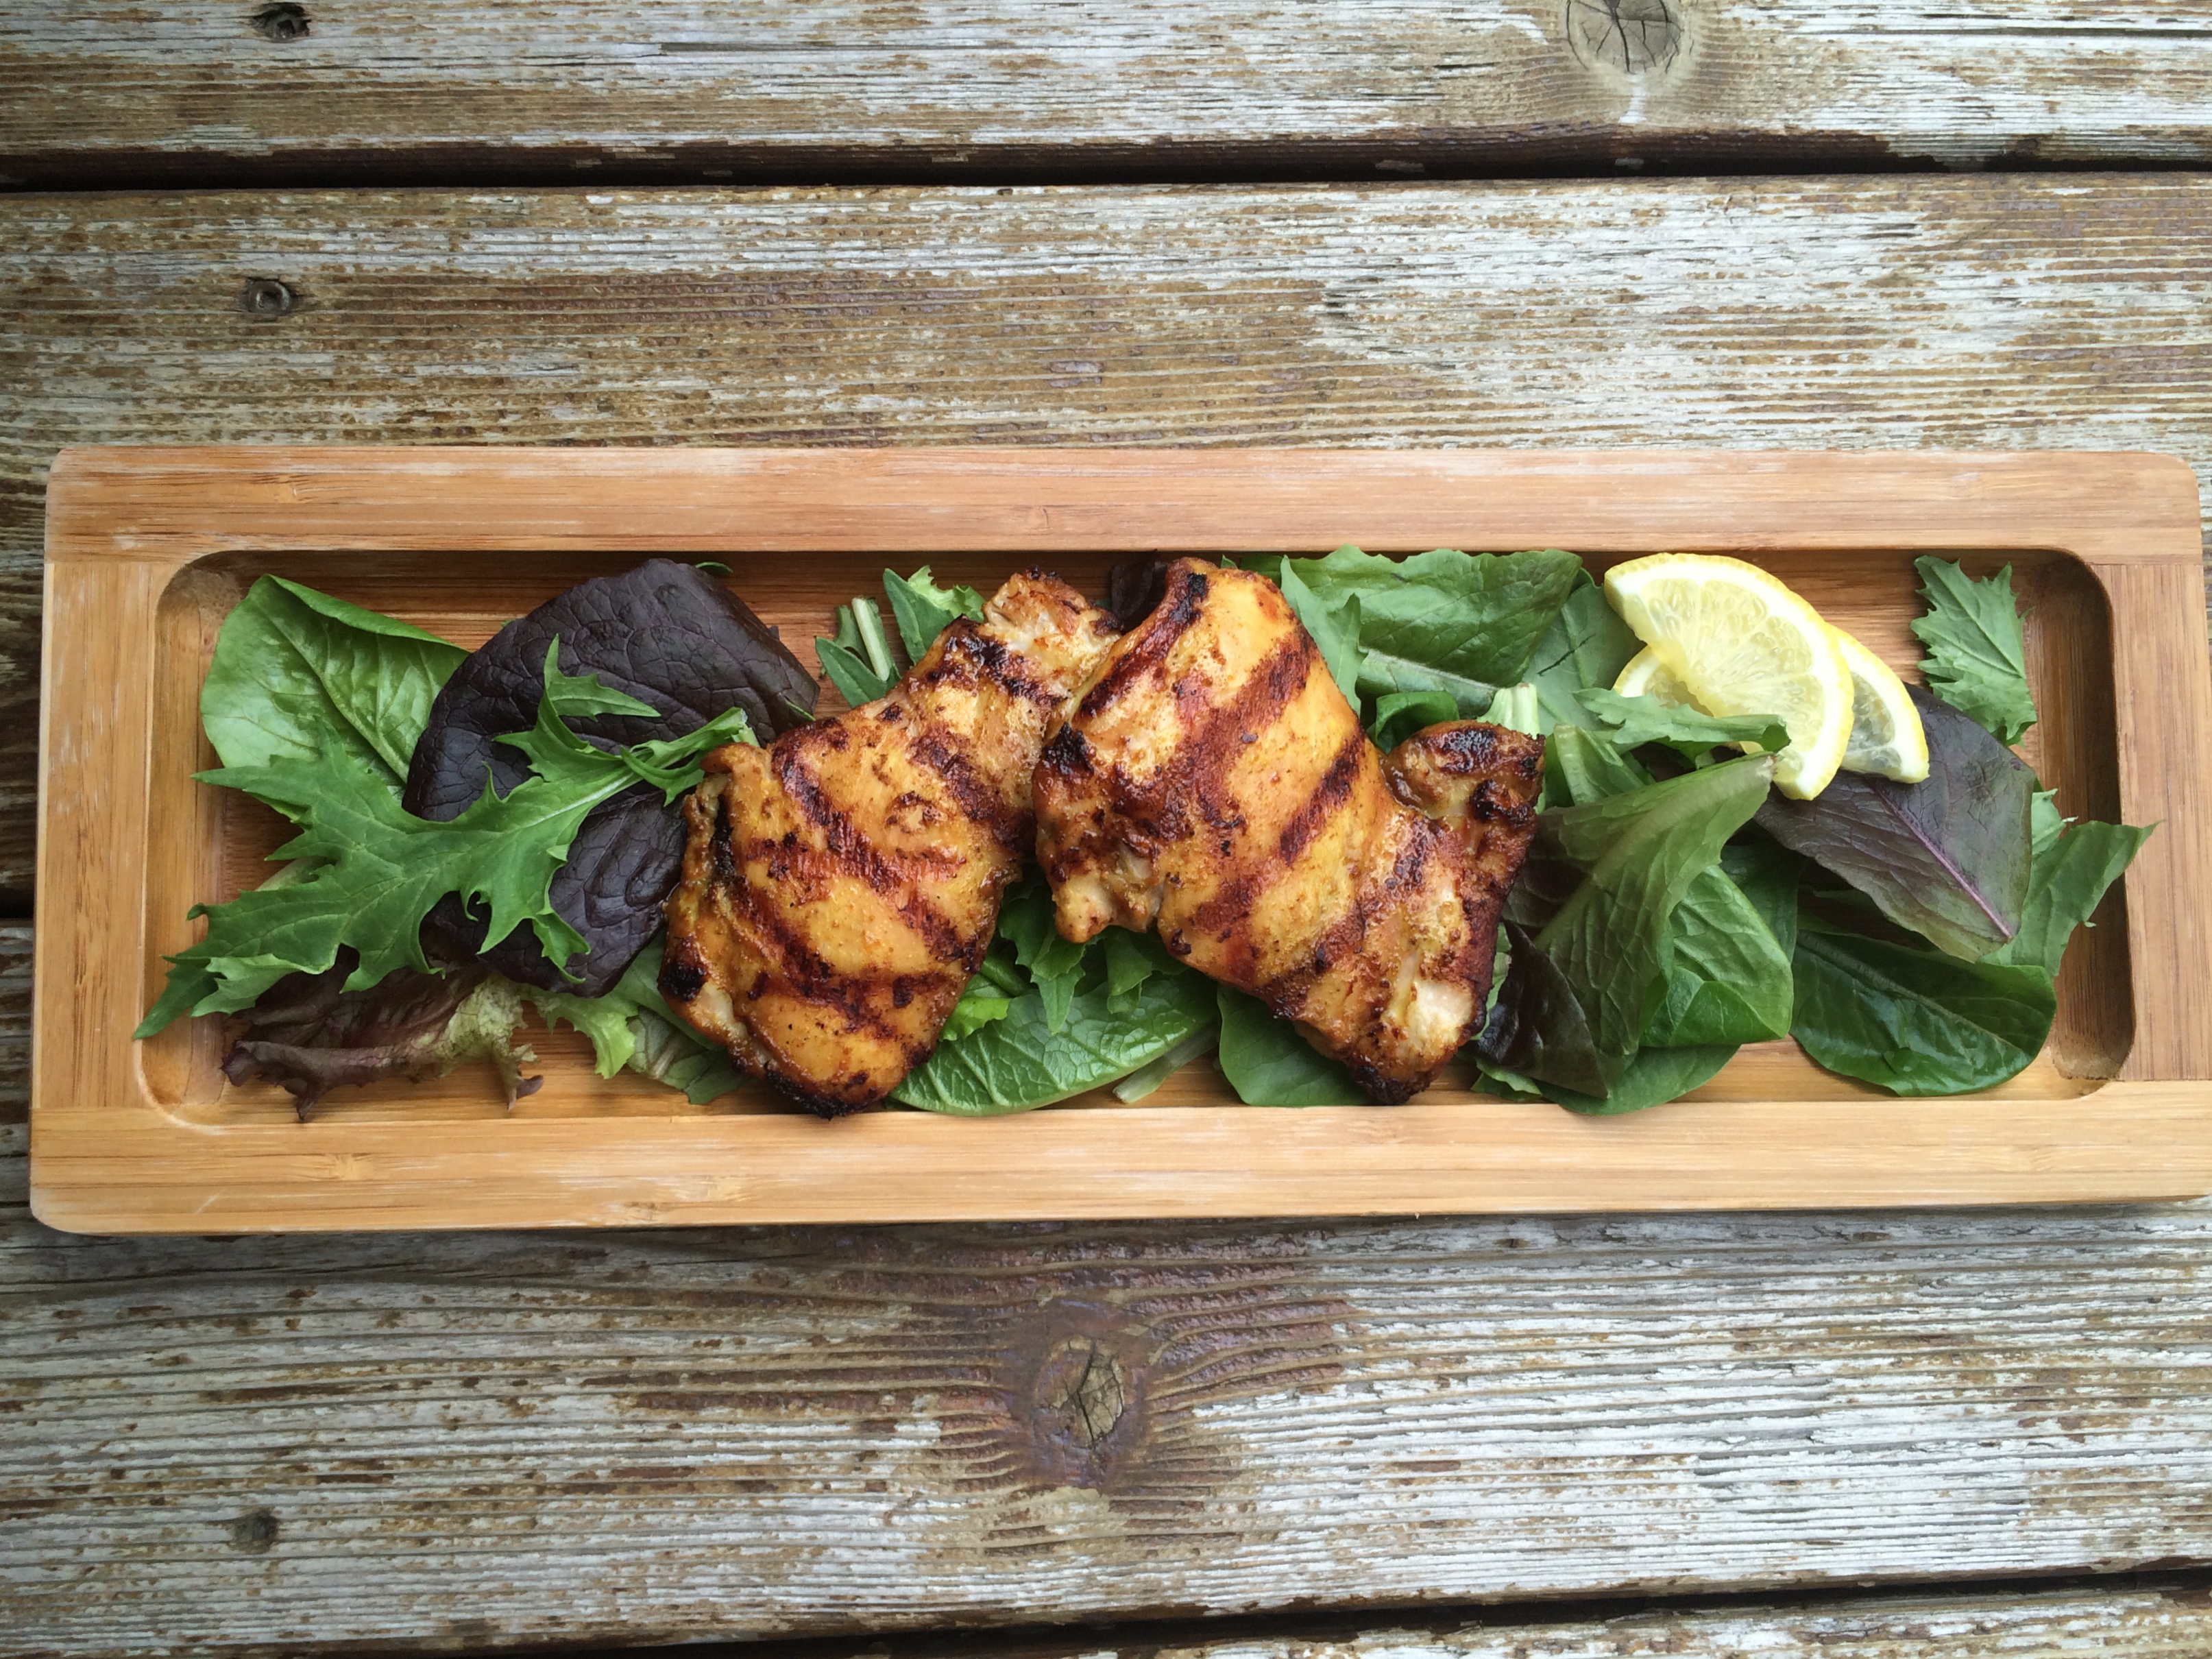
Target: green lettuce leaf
column 297, row 674
column 1727, row 977
column 1642, row 850
column 1977, row 660
column 923, row 610
column 1023, row 1061
column 1584, row 649
column 1267, row 1063
column 1916, row 1022
column 2068, row 876
column 1655, row 1077
column 1334, row 627
column 1399, row 715
column 1632, row 722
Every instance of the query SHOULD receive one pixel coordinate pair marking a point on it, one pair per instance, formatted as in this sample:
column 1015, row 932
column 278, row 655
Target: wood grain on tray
column 149, row 547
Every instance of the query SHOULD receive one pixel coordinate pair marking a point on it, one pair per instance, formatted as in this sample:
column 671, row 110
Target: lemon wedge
column 1886, row 736
column 1739, row 642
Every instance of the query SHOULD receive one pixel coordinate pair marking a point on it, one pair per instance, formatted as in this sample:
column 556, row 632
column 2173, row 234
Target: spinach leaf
column 1267, row 1063
column 1916, row 1022
column 1948, row 857
column 1334, row 628
column 1026, row 921
column 1023, row 1061
column 923, row 610
column 1584, row 767
column 2070, row 875
column 1399, row 715
column 1585, row 649
column 1977, row 661
column 1632, row 722
column 858, row 660
column 1768, row 874
column 297, row 673
column 1642, row 850
column 1655, row 1077
column 1727, row 979
column 1460, row 623
column 383, row 868
column 1537, row 1030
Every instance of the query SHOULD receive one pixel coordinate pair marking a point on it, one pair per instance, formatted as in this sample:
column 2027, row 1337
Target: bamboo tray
column 147, row 549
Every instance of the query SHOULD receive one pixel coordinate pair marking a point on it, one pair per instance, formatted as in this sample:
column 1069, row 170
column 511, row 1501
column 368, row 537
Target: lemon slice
column 1887, row 737
column 1742, row 643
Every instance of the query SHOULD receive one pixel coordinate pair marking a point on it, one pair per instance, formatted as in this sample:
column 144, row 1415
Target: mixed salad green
column 1674, row 907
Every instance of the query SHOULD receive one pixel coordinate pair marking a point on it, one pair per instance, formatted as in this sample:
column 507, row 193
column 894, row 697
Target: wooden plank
column 379, row 91
column 1997, row 311
column 475, row 1438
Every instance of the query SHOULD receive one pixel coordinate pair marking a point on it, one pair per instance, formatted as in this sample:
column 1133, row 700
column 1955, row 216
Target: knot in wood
column 1632, row 37
column 265, row 297
column 281, row 21
column 1086, row 1388
column 254, row 1532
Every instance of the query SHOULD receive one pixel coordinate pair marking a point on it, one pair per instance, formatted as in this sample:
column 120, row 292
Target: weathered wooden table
column 1355, row 222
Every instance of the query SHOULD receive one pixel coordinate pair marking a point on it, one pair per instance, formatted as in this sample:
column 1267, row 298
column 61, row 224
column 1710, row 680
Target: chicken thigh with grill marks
column 839, row 887
column 1213, row 781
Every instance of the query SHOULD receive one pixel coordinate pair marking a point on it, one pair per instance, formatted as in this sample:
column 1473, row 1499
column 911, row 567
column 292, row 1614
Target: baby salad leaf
column 1267, row 1063
column 1517, row 708
column 1584, row 767
column 2068, row 876
column 1585, row 649
column 1727, row 978
column 1055, row 965
column 1916, row 1022
column 1537, row 1033
column 1975, row 659
column 924, row 609
column 1399, row 715
column 384, row 868
column 1023, row 1061
column 1334, row 628
column 632, row 1027
column 1632, row 722
column 297, row 673
column 858, row 660
column 1947, row 857
column 1643, row 851
column 1655, row 1077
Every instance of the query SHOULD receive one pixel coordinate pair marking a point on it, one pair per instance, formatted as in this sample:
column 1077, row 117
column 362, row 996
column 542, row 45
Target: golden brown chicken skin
column 1211, row 780
column 839, row 887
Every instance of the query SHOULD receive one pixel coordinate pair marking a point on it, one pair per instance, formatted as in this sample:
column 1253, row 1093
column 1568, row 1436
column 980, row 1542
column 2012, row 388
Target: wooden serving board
column 148, row 549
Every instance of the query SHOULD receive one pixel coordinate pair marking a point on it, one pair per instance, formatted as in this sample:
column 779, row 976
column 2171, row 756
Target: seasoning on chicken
column 840, row 886
column 1213, row 781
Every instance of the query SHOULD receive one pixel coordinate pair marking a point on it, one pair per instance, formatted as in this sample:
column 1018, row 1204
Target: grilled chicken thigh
column 1213, row 781
column 840, row 886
